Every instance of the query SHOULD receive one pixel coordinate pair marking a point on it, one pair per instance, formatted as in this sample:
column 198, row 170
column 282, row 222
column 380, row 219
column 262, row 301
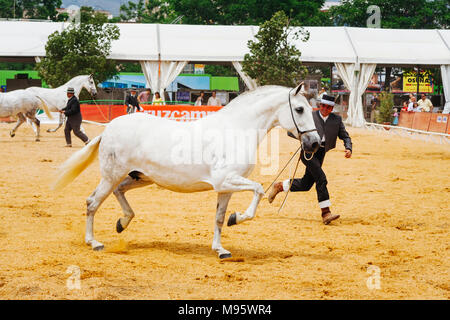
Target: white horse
column 56, row 98
column 21, row 104
column 139, row 149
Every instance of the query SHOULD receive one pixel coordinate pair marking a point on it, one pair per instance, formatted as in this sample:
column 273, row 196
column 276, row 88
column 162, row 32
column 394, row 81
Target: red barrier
column 438, row 122
column 105, row 113
column 406, row 119
column 421, row 121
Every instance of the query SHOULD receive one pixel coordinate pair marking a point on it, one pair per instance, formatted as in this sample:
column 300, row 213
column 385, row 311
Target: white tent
column 164, row 49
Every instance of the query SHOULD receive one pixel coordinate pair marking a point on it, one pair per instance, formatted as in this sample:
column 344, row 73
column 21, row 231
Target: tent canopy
column 200, row 43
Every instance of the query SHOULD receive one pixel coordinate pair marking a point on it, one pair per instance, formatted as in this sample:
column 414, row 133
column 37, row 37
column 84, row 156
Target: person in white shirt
column 213, row 101
column 199, row 100
column 425, row 103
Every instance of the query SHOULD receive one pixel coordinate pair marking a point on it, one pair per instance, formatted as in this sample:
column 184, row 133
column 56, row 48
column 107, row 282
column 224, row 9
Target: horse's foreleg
column 127, row 184
column 62, row 118
column 93, row 203
column 238, row 183
column 20, row 119
column 222, row 203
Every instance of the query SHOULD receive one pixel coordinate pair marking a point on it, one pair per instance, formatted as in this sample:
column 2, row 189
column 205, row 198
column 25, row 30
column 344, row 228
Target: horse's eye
column 299, row 110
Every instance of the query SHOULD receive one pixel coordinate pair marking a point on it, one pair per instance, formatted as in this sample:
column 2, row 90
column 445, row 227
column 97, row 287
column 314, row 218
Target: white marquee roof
column 24, row 39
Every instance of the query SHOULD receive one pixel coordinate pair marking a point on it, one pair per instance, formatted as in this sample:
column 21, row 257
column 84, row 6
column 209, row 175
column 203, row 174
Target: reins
column 299, row 158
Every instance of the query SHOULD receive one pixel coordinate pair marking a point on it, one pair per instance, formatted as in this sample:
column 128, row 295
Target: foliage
column 81, row 49
column 225, row 12
column 30, row 9
column 272, row 59
column 386, row 107
column 150, row 11
column 219, row 70
column 395, row 14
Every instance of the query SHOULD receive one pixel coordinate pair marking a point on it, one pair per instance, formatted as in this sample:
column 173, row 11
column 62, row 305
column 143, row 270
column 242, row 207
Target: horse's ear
column 300, row 88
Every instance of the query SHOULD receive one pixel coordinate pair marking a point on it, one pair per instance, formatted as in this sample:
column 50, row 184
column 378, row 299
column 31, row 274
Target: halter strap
column 293, row 119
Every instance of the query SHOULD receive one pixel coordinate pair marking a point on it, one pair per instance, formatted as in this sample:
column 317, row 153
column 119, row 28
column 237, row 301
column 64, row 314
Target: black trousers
column 74, row 123
column 313, row 174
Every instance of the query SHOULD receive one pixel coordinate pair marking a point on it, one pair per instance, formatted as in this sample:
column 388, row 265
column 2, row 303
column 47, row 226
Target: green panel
column 225, row 83
column 9, row 74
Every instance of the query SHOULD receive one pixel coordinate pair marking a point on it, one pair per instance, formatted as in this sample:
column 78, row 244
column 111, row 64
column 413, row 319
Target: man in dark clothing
column 73, row 122
column 329, row 127
column 131, row 101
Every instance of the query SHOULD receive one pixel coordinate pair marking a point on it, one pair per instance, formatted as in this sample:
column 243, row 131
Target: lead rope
column 299, row 157
column 98, row 107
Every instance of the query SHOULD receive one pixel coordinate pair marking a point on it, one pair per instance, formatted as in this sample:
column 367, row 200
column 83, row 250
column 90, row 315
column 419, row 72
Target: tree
column 150, row 11
column 272, row 60
column 29, row 9
column 81, row 49
column 386, row 105
column 248, row 12
column 395, row 14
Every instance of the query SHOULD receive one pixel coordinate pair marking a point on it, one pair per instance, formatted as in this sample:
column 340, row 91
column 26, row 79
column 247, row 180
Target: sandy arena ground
column 393, row 197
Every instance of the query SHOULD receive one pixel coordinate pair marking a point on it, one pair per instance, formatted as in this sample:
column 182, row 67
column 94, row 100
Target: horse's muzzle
column 310, row 141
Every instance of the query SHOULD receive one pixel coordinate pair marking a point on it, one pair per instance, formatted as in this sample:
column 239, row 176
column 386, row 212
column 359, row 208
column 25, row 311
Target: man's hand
column 348, row 153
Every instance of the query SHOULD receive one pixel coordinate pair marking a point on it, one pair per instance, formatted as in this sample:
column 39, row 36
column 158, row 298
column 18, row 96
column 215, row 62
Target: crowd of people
column 412, row 105
column 133, row 99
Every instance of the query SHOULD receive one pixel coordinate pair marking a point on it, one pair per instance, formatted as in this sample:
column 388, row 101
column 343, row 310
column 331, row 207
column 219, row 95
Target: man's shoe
column 68, row 146
column 276, row 189
column 328, row 217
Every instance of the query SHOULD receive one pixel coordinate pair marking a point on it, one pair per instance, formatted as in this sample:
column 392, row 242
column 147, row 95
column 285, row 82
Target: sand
column 392, row 195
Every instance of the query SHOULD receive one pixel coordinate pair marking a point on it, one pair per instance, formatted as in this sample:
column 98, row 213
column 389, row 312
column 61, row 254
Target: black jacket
column 132, row 100
column 72, row 108
column 332, row 128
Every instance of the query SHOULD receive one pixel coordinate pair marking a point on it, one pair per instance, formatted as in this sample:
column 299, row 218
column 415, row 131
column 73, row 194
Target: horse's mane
column 251, row 96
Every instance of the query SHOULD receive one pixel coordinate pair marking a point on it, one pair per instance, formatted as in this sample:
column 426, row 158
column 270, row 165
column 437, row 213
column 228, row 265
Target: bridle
column 296, row 126
column 298, row 161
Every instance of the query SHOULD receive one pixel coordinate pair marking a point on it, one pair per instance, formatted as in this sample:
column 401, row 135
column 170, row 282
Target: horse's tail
column 44, row 106
column 76, row 164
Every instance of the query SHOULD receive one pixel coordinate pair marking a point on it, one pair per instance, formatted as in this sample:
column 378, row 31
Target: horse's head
column 89, row 85
column 296, row 117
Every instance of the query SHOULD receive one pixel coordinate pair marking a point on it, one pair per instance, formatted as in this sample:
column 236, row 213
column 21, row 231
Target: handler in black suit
column 73, row 122
column 131, row 101
column 330, row 127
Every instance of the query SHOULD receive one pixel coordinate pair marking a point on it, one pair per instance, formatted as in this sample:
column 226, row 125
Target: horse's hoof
column 12, row 134
column 225, row 255
column 37, row 140
column 99, row 248
column 231, row 219
column 119, row 227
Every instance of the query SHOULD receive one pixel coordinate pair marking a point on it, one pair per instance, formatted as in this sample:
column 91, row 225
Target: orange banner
column 105, row 113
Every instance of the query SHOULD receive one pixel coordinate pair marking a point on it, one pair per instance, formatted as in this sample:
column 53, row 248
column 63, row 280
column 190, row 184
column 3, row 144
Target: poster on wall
column 410, row 82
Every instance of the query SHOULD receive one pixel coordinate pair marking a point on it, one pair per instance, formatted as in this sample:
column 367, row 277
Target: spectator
column 405, row 106
column 321, row 93
column 200, row 99
column 2, row 90
column 213, row 101
column 425, row 103
column 373, row 107
column 132, row 102
column 416, row 107
column 157, row 100
column 395, row 115
column 144, row 96
column 412, row 101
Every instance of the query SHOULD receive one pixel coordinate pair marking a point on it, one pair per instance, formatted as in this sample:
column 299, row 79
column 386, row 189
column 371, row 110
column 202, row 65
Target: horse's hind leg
column 93, row 202
column 20, row 119
column 130, row 182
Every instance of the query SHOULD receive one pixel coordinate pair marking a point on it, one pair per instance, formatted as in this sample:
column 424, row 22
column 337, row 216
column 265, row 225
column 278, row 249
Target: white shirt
column 214, row 101
column 324, row 120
